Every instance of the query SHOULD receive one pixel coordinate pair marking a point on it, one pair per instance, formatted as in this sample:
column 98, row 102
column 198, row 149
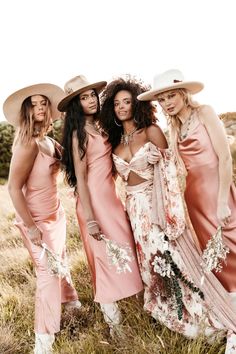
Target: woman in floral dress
column 173, row 293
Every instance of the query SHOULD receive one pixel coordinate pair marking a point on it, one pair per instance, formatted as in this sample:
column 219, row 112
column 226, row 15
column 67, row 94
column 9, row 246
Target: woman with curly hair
column 88, row 168
column 32, row 185
column 168, row 259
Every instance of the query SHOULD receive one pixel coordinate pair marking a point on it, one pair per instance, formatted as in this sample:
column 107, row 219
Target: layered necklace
column 187, row 123
column 126, row 138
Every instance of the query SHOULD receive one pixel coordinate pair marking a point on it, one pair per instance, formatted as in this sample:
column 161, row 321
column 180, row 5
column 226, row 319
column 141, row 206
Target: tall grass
column 84, row 330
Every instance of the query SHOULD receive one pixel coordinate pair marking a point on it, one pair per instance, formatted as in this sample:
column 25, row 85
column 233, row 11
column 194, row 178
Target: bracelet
column 31, row 232
column 92, row 223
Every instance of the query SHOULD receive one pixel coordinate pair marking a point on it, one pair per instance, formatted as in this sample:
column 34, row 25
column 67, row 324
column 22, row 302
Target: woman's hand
column 94, row 230
column 35, row 235
column 154, row 156
column 223, row 214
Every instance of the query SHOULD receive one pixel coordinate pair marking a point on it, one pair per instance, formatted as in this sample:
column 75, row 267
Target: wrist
column 91, row 223
column 32, row 230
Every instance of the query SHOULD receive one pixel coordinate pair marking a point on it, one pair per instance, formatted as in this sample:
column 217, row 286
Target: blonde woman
column 200, row 143
column 41, row 219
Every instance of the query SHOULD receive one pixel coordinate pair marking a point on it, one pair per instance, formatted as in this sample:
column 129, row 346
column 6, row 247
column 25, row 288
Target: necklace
column 126, row 138
column 93, row 126
column 188, row 121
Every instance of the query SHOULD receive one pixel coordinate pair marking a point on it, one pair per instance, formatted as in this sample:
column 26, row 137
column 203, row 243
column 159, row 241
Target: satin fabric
column 108, row 285
column 202, row 184
column 42, row 200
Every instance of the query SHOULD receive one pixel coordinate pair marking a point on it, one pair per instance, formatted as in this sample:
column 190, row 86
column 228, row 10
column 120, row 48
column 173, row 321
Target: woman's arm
column 220, row 144
column 21, row 165
column 156, row 136
column 80, row 166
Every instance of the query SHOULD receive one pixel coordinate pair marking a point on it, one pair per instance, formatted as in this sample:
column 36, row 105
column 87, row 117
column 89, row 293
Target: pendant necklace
column 126, row 138
column 184, row 135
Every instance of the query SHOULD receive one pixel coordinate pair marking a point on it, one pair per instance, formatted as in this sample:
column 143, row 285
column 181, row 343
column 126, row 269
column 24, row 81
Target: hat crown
column 75, row 84
column 12, row 105
column 168, row 78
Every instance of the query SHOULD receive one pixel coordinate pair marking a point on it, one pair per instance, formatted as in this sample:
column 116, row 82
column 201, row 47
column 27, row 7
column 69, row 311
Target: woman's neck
column 89, row 119
column 128, row 126
column 37, row 128
column 184, row 114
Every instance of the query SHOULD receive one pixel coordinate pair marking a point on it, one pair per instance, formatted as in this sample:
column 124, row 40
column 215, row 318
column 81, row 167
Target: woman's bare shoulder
column 26, row 148
column 156, row 136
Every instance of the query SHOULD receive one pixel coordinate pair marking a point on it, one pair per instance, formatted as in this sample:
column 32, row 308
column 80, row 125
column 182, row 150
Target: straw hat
column 12, row 105
column 170, row 80
column 77, row 85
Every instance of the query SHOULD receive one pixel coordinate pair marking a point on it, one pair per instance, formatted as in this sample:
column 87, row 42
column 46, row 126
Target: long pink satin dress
column 109, row 286
column 201, row 193
column 45, row 207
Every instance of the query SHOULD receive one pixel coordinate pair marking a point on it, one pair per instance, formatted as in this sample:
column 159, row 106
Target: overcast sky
column 54, row 40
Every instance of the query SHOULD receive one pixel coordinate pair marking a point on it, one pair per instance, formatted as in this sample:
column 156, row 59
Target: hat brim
column 12, row 105
column 98, row 86
column 192, row 86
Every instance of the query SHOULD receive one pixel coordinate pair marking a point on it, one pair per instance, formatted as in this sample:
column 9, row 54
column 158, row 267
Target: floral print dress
column 170, row 295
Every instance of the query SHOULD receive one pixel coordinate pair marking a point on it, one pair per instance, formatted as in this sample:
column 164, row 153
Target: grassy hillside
column 82, row 331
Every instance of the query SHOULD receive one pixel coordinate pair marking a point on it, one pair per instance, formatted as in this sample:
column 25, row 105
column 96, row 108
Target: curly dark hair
column 74, row 124
column 143, row 111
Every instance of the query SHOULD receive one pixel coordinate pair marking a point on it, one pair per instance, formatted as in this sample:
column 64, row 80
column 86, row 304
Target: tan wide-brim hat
column 170, row 80
column 12, row 105
column 76, row 86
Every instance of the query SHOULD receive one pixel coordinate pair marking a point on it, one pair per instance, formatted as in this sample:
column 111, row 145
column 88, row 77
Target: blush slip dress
column 42, row 199
column 202, row 184
column 109, row 286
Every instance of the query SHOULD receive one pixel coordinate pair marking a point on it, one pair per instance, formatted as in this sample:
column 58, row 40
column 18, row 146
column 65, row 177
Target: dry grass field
column 82, row 331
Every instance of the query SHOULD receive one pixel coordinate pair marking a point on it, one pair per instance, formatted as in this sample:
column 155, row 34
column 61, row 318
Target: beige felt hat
column 12, row 105
column 77, row 85
column 170, row 80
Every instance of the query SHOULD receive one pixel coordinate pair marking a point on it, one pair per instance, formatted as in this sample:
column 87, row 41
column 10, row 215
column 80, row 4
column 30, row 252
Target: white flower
column 56, row 265
column 215, row 253
column 118, row 256
column 161, row 267
column 164, row 244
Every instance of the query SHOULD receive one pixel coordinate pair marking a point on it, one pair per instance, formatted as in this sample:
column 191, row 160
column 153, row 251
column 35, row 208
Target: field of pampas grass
column 82, row 331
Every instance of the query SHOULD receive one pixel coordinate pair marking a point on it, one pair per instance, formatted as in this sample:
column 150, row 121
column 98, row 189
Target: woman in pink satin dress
column 88, row 167
column 41, row 219
column 203, row 155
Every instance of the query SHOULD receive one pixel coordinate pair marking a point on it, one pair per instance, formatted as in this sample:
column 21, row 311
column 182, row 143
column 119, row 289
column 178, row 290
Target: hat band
column 69, row 90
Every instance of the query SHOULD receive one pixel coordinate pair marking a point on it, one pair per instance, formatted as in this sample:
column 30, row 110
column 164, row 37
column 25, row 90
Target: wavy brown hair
column 143, row 111
column 26, row 131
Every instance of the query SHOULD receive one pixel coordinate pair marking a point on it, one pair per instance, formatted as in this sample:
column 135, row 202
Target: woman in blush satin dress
column 203, row 154
column 88, row 166
column 41, row 219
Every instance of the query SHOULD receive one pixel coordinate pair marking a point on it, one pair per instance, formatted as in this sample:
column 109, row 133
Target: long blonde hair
column 175, row 124
column 26, row 130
